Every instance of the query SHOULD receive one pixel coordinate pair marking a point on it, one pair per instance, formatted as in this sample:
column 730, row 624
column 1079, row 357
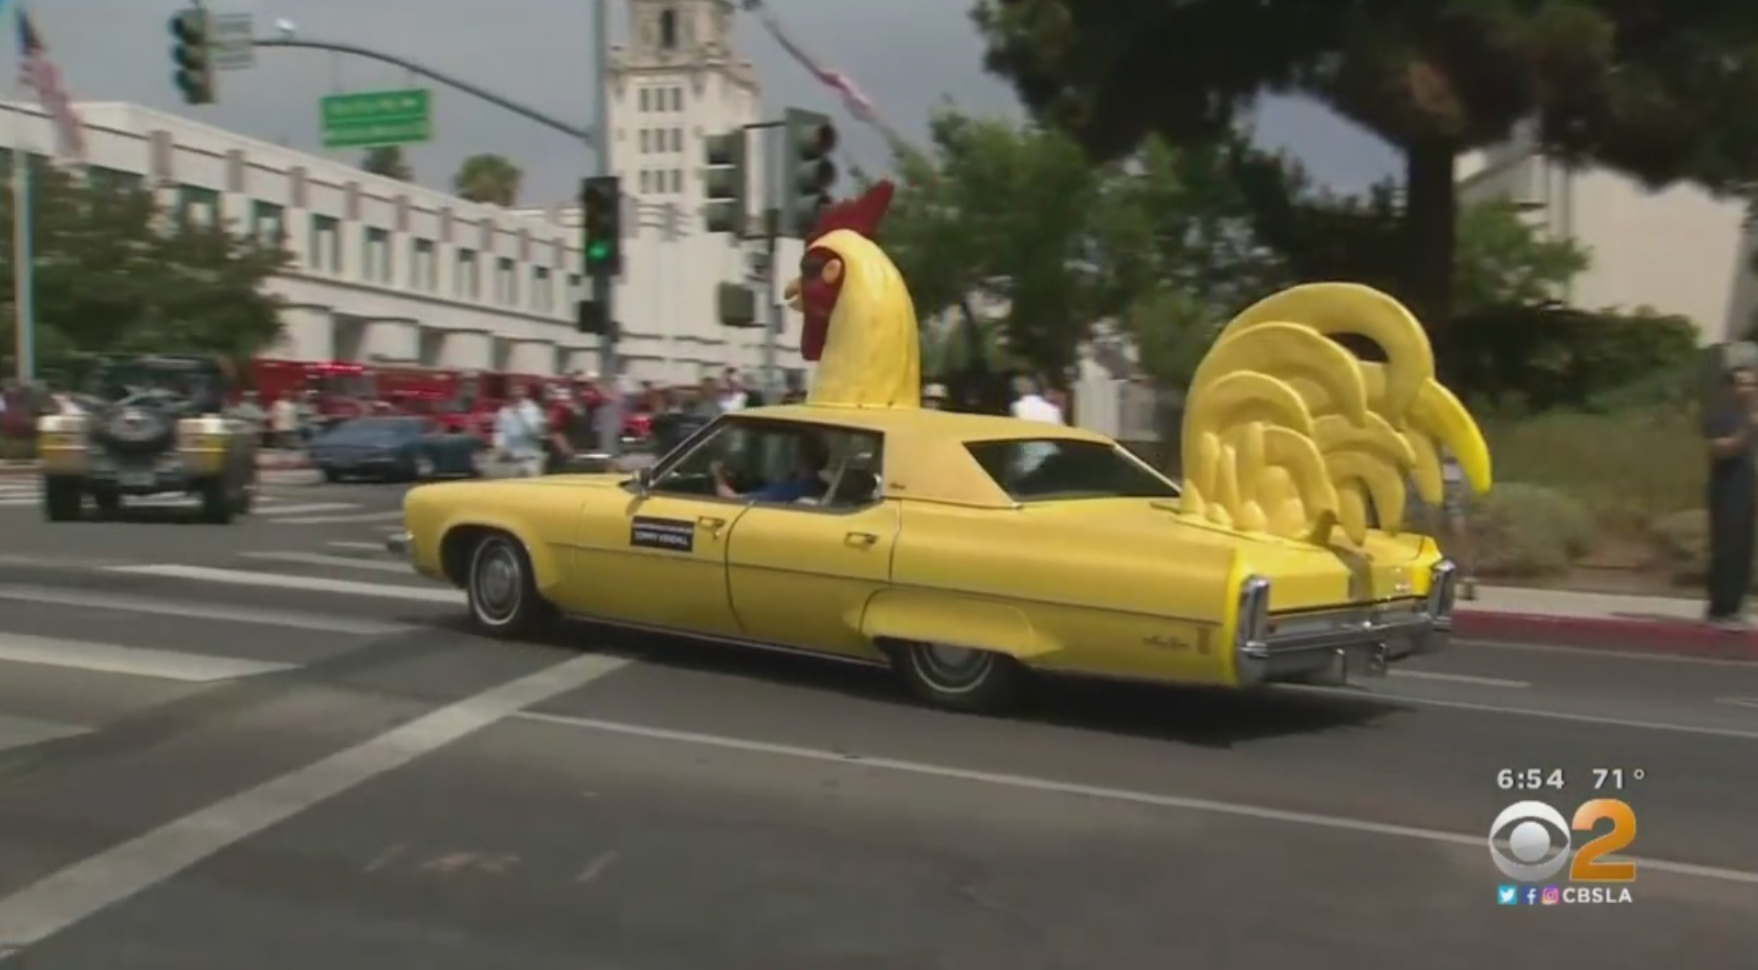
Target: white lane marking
column 310, row 507
column 22, row 732
column 342, row 562
column 107, row 658
column 59, row 901
column 1633, row 724
column 123, row 603
column 314, row 584
column 1052, row 786
column 363, row 546
column 1738, row 701
column 1458, row 679
column 340, row 519
column 1588, row 653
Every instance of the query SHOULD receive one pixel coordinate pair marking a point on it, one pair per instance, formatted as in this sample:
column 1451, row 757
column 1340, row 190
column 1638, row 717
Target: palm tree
column 388, row 161
column 488, row 178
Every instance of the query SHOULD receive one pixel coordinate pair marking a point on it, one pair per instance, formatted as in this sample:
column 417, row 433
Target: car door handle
column 711, row 523
column 861, row 539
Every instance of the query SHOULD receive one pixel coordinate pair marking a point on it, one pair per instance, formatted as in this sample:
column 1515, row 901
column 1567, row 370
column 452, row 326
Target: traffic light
column 601, row 204
column 589, row 317
column 727, row 183
column 193, row 56
column 736, row 306
column 807, row 172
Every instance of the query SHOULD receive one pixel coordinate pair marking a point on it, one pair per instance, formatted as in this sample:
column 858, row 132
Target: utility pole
column 610, row 431
column 772, row 333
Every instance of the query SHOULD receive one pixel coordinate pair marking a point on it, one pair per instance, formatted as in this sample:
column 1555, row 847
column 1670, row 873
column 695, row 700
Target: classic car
column 961, row 550
column 396, row 448
column 149, row 426
column 967, row 551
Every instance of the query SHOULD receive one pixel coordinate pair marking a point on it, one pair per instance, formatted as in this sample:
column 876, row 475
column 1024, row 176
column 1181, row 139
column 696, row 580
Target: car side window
column 779, row 463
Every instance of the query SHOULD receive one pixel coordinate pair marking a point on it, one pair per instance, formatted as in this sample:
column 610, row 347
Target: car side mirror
column 643, row 480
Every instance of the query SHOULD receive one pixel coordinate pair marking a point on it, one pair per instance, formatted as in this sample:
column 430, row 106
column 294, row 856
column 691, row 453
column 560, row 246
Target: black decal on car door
column 671, row 535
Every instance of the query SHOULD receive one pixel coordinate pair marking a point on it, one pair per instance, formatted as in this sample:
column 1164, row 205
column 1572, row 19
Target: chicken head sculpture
column 860, row 323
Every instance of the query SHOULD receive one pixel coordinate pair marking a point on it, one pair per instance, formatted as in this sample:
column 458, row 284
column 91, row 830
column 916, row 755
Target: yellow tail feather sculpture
column 1287, row 432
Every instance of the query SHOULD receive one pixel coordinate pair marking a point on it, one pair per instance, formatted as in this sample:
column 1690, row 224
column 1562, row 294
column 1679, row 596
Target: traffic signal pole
column 610, row 424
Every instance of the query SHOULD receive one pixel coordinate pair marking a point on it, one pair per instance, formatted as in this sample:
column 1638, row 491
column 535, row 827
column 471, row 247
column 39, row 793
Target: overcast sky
column 908, row 55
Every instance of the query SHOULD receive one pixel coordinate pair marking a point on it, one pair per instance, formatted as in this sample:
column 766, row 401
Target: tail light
column 1443, row 587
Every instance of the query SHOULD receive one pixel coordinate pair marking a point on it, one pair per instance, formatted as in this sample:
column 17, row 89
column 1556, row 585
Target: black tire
column 502, row 590
column 246, row 498
column 63, row 499
column 217, row 500
column 108, row 501
column 332, row 476
column 958, row 679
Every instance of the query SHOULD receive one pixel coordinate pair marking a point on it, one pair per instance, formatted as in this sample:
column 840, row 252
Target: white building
column 1679, row 250
column 386, row 271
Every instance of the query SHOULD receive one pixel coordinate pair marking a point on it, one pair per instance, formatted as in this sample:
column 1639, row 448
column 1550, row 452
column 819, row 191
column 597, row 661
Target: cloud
column 907, row 55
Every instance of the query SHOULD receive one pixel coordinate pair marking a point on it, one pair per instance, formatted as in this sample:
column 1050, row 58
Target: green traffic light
column 597, row 251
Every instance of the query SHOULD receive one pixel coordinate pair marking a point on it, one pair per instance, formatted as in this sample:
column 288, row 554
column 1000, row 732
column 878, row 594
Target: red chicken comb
column 860, row 216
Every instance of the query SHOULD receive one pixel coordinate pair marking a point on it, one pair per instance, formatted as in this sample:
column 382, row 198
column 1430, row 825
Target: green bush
column 1534, row 360
column 1681, row 540
column 1528, row 531
column 1626, row 469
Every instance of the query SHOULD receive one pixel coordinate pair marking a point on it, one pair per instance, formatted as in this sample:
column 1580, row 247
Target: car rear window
column 1058, row 469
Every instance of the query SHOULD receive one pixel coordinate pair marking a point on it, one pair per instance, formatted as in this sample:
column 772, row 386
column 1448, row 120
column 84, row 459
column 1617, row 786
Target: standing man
column 1029, row 403
column 1728, row 424
column 518, row 434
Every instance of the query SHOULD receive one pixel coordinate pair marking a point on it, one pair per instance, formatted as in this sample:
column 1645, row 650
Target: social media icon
column 1508, row 895
column 1552, row 896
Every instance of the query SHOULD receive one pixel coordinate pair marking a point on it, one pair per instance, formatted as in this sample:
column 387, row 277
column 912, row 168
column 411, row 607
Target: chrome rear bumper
column 1331, row 646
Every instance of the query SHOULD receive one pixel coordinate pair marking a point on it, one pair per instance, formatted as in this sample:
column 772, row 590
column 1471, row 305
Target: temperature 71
column 1616, row 778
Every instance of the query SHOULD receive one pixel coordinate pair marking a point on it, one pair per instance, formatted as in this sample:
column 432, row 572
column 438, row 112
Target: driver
column 806, row 481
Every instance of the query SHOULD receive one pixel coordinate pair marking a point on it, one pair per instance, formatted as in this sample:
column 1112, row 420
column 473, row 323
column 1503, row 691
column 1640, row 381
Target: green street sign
column 375, row 118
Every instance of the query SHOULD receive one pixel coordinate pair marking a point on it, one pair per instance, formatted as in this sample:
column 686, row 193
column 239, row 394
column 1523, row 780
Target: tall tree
column 1660, row 90
column 388, row 161
column 116, row 274
column 488, row 178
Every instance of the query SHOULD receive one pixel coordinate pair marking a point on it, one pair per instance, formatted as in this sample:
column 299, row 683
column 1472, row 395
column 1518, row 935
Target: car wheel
column 246, row 499
column 216, row 500
column 422, row 470
column 958, row 678
column 332, row 476
column 109, row 501
column 62, row 499
column 502, row 590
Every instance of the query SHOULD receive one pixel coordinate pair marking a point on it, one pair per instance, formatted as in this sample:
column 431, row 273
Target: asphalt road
column 267, row 746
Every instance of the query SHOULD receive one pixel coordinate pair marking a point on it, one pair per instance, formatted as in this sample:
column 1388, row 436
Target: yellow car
column 961, row 550
column 966, row 552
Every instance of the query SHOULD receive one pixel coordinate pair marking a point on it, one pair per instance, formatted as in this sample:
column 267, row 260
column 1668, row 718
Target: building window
column 542, row 291
column 423, row 266
column 198, row 205
column 506, row 282
column 646, row 140
column 467, row 285
column 576, row 286
column 111, row 179
column 677, row 99
column 375, row 262
column 677, row 139
column 325, row 253
column 646, row 181
column 668, row 30
column 268, row 223
column 677, row 181
column 646, row 100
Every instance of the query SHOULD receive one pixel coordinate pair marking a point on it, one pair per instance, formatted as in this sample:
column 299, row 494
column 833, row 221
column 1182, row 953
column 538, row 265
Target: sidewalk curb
column 1622, row 634
column 30, row 469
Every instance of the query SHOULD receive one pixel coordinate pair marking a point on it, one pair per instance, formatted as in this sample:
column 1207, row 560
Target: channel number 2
column 1538, row 841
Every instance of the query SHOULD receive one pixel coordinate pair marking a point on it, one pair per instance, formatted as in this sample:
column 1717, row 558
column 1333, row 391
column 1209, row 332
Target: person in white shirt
column 733, row 397
column 519, row 434
column 1031, row 405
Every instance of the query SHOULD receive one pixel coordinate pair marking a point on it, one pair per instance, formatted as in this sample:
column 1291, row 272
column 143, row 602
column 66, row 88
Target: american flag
column 37, row 72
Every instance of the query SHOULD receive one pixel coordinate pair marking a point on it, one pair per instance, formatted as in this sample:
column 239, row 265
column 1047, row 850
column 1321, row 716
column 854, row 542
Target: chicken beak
column 791, row 295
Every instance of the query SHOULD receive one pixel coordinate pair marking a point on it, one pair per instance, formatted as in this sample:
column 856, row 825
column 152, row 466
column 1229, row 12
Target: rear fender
column 932, row 616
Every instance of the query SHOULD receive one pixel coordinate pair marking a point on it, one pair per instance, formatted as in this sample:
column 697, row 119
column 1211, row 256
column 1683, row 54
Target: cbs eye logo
column 1538, row 841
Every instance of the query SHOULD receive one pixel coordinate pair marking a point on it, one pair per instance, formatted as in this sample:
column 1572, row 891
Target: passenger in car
column 806, row 482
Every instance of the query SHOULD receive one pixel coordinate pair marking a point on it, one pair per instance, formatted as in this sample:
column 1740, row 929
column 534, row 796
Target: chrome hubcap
column 952, row 667
column 497, row 583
